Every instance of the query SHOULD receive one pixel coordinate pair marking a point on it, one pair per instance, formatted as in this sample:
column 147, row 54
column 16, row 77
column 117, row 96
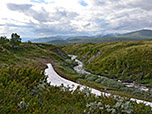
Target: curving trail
column 57, row 80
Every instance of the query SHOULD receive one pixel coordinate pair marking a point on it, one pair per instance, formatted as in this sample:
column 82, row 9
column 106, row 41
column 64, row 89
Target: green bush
column 24, row 90
column 98, row 80
column 92, row 78
column 82, row 76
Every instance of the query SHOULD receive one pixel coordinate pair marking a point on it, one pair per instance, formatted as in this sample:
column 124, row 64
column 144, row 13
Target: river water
column 79, row 68
column 56, row 80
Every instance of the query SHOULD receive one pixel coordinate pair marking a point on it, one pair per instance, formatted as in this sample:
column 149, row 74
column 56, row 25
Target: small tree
column 29, row 42
column 3, row 40
column 15, row 39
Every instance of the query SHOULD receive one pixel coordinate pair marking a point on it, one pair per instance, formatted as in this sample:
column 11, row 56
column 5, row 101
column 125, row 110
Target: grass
column 24, row 89
column 36, row 54
column 99, row 83
column 128, row 61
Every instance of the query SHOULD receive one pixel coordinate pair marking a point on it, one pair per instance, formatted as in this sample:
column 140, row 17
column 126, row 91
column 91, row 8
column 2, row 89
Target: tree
column 3, row 40
column 15, row 39
column 29, row 42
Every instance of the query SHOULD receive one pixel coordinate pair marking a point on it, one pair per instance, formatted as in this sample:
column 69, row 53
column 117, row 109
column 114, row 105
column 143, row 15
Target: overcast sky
column 39, row 18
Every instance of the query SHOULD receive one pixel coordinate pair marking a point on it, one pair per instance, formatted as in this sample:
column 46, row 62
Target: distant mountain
column 59, row 42
column 131, row 36
column 78, row 37
column 144, row 34
column 109, row 35
column 26, row 39
column 89, row 37
column 47, row 39
column 59, row 38
column 140, row 33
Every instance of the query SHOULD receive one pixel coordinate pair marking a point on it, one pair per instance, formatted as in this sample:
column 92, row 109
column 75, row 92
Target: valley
column 79, row 69
column 76, row 57
column 127, row 61
column 25, row 84
column 56, row 80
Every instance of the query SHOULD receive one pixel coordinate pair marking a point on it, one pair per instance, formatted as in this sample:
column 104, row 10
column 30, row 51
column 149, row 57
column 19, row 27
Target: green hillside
column 128, row 61
column 36, row 54
column 23, row 87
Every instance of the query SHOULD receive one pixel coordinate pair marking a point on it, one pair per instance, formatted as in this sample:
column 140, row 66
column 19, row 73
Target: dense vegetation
column 128, row 61
column 24, row 53
column 23, row 87
column 24, row 90
column 115, row 87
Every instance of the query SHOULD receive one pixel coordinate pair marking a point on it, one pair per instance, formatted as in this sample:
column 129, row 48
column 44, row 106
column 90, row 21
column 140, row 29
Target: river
column 56, row 80
column 79, row 68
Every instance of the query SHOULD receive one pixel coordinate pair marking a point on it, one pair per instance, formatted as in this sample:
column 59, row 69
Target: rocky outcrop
column 94, row 56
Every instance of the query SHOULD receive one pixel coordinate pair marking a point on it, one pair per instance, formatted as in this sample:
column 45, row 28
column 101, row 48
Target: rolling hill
column 140, row 33
column 131, row 36
column 24, row 89
column 47, row 39
column 128, row 61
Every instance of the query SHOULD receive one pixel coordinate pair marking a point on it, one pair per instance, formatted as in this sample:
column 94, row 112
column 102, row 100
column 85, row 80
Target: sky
column 41, row 18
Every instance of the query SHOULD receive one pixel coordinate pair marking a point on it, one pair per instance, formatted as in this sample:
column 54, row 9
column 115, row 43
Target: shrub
column 98, row 80
column 92, row 78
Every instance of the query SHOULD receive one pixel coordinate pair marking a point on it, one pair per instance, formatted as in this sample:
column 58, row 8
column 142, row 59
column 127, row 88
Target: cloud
column 16, row 26
column 19, row 7
column 89, row 17
column 41, row 16
column 38, row 1
column 61, row 12
column 87, row 25
column 143, row 4
column 57, row 22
